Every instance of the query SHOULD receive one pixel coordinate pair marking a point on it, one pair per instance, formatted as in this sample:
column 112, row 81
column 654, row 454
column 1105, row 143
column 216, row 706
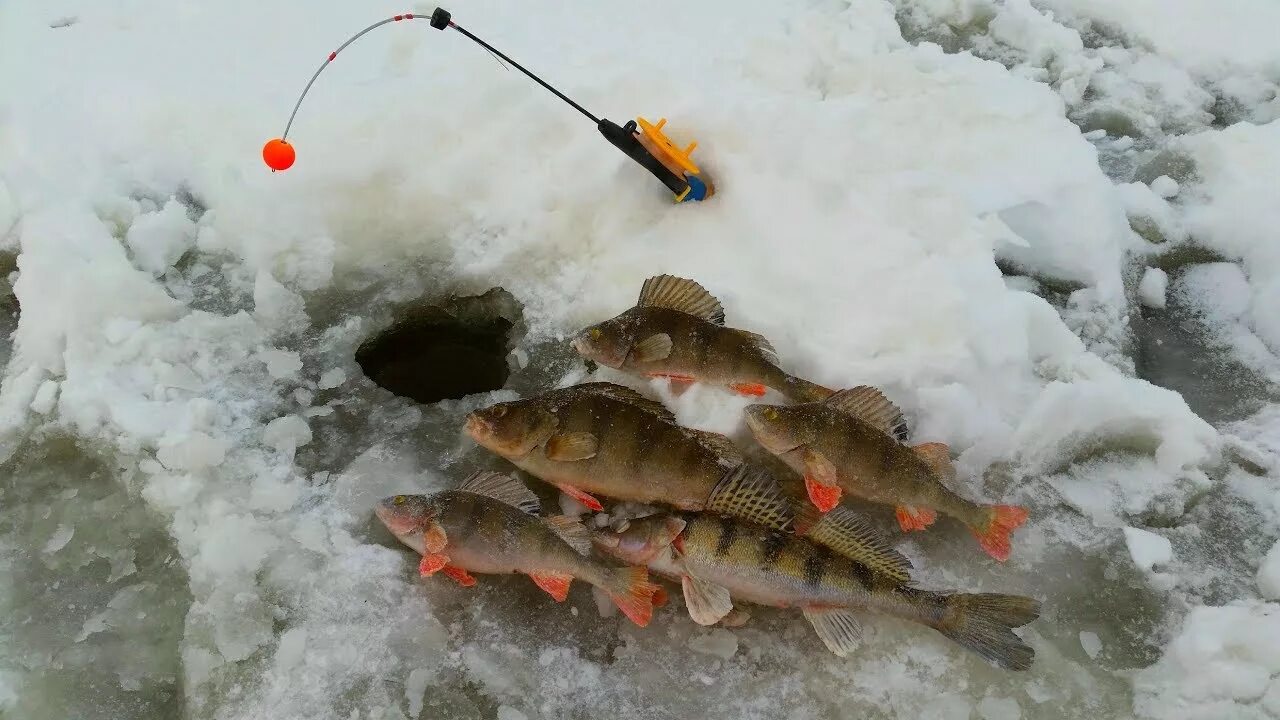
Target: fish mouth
column 397, row 522
column 477, row 427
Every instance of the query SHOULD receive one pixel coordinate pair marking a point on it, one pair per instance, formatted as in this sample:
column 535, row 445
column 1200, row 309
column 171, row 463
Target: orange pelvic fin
column 823, row 497
column 915, row 518
column 1004, row 520
column 431, row 564
column 659, row 596
column 749, row 389
column 434, row 538
column 556, row 584
column 460, row 575
column 582, row 497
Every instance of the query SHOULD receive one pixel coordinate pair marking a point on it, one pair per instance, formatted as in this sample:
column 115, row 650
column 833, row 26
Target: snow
column 1152, row 288
column 1221, row 664
column 183, row 309
column 1164, row 186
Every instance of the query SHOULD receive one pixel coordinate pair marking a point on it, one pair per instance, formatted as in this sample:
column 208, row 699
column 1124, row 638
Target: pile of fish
column 724, row 529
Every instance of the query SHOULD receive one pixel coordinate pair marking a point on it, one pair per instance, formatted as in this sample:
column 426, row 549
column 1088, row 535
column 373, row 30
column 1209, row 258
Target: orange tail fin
column 995, row 538
column 915, row 518
column 631, row 591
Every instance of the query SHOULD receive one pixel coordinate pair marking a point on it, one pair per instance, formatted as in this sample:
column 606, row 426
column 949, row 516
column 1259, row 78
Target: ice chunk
column 506, row 712
column 287, row 433
column 276, row 306
column 1152, row 288
column 997, row 708
column 60, row 538
column 281, row 364
column 292, row 647
column 46, row 397
column 718, row 641
column 415, row 687
column 1147, row 548
column 194, row 451
column 1090, row 643
column 1269, row 574
column 1164, row 186
column 158, row 239
column 332, row 378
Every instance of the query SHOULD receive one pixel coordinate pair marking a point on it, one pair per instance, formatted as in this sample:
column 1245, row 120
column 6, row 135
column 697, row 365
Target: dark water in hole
column 433, row 353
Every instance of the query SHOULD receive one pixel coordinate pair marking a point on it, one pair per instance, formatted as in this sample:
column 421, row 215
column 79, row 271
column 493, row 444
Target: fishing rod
column 638, row 139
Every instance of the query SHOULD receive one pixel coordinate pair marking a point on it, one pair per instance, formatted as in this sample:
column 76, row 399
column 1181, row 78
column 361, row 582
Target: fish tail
column 799, row 390
column 631, row 591
column 984, row 624
column 1001, row 521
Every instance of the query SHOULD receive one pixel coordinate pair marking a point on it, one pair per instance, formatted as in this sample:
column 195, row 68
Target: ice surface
column 188, row 323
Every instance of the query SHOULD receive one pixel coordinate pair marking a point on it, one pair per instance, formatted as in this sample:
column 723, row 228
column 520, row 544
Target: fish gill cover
column 954, row 202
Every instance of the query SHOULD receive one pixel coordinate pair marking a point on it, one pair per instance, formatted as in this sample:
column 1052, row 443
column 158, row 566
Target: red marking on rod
column 333, row 55
column 408, row 16
column 398, row 18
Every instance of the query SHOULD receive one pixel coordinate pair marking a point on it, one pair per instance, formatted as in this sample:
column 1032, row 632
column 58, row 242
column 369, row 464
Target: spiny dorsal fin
column 938, row 457
column 718, row 443
column 503, row 488
column 849, row 534
column 870, row 406
column 625, row 394
column 762, row 343
column 687, row 296
column 572, row 532
column 751, row 494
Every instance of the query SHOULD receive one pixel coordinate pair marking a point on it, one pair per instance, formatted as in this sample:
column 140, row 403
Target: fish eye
column 595, row 333
column 500, row 410
column 398, row 500
column 771, row 413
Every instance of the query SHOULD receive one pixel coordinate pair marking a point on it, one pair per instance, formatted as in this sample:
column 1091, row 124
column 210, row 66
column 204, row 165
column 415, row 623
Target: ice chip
column 1090, row 643
column 332, row 378
column 1152, row 288
column 1269, row 574
column 281, row 364
column 287, row 433
column 718, row 642
column 59, row 539
column 1147, row 548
